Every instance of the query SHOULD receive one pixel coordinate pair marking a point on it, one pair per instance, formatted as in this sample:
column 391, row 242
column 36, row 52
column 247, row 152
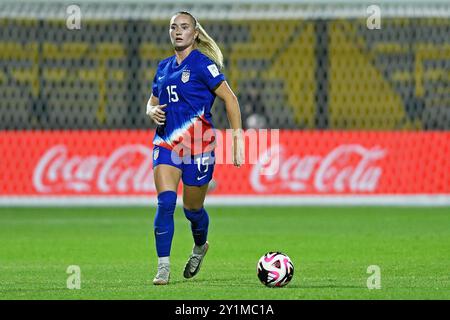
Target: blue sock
column 199, row 224
column 163, row 224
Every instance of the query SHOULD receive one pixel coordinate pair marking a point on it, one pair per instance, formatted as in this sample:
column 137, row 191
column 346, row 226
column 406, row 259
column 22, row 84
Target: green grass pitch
column 331, row 248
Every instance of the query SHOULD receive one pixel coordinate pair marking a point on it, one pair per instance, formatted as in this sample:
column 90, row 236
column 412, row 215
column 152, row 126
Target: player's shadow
column 290, row 286
column 330, row 286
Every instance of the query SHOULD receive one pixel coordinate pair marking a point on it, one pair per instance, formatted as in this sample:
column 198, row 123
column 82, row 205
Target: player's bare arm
column 224, row 92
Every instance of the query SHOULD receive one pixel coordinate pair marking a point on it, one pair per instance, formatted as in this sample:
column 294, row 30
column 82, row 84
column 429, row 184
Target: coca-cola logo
column 126, row 169
column 346, row 168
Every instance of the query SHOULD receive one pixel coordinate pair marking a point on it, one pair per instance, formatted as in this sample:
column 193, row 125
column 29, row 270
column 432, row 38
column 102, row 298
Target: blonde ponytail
column 208, row 46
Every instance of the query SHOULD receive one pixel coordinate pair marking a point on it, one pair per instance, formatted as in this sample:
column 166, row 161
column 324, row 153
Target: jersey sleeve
column 155, row 87
column 155, row 83
column 211, row 75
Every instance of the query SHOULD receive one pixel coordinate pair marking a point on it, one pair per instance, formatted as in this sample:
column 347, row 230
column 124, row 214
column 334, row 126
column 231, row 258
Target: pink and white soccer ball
column 275, row 269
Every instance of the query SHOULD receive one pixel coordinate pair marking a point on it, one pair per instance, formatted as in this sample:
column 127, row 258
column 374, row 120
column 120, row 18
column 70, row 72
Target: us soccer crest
column 185, row 76
column 156, row 153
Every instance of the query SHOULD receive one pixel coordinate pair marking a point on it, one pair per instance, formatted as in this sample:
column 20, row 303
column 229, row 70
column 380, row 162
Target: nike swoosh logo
column 159, row 78
column 200, row 178
column 159, row 233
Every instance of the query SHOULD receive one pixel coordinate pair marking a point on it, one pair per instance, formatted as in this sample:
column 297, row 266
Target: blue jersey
column 188, row 90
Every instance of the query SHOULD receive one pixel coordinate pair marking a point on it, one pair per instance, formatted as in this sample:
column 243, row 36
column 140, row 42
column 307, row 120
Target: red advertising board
column 119, row 163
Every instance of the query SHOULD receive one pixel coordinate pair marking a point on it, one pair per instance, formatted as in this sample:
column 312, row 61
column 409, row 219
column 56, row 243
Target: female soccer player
column 183, row 92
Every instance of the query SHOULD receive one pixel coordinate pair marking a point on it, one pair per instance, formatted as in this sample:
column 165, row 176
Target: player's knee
column 193, row 213
column 167, row 202
column 192, row 207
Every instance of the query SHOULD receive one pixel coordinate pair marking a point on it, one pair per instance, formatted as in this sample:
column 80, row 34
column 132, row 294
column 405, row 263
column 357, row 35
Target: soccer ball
column 275, row 269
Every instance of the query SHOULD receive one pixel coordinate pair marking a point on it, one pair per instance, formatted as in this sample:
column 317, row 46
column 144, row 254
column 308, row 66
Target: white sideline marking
column 274, row 200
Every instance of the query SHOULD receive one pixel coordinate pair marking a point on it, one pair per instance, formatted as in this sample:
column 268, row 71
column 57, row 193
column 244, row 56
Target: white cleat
column 195, row 261
column 163, row 275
